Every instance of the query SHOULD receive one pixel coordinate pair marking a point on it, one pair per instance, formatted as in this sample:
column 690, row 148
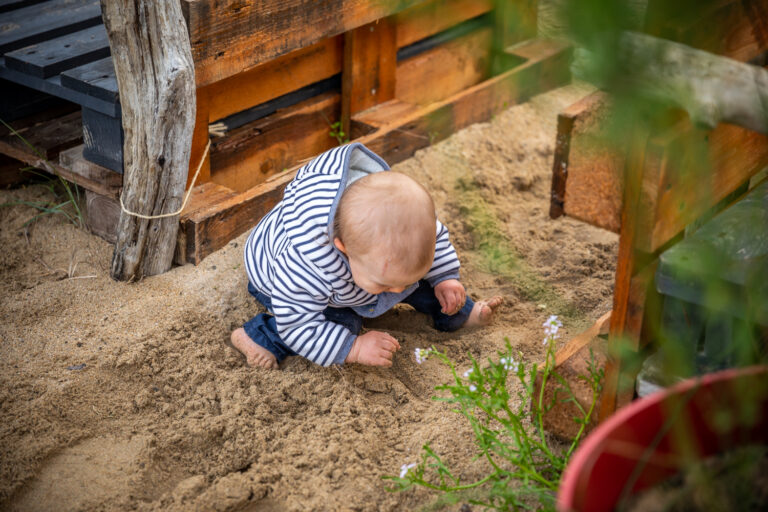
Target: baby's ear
column 339, row 245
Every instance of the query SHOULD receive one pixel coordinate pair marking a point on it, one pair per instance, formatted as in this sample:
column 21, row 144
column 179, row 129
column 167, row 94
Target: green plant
column 66, row 203
column 338, row 133
column 524, row 466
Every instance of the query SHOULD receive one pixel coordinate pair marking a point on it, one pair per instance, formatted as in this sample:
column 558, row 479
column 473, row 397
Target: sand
column 126, row 396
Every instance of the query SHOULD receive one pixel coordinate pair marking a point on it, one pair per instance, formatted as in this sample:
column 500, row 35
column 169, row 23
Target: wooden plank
column 10, row 5
column 370, row 63
column 53, row 56
column 202, row 197
column 428, row 18
column 513, row 21
column 47, row 138
column 18, row 102
column 104, row 139
column 229, row 37
column 447, row 69
column 36, row 23
column 252, row 153
column 400, row 138
column 209, row 229
column 275, row 78
column 699, row 169
column 102, row 215
column 733, row 28
column 591, row 174
column 94, row 177
column 96, row 79
column 200, row 138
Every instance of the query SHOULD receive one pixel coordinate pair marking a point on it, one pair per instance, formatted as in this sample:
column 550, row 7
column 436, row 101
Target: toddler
column 350, row 239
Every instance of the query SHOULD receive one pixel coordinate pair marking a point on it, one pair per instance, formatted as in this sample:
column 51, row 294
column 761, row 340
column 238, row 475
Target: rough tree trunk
column 711, row 88
column 156, row 79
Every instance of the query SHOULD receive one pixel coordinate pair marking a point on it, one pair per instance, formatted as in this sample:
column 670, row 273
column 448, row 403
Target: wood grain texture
column 447, row 69
column 46, row 20
column 155, row 76
column 737, row 29
column 428, row 18
column 275, row 78
column 47, row 137
column 370, row 62
column 254, row 152
column 88, row 175
column 231, row 36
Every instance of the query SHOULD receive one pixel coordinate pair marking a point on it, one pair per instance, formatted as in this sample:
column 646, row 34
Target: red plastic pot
column 655, row 437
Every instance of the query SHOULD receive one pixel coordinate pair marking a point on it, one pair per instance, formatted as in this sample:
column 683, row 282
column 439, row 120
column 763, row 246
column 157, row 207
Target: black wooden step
column 39, row 22
column 95, row 79
column 59, row 54
column 10, row 5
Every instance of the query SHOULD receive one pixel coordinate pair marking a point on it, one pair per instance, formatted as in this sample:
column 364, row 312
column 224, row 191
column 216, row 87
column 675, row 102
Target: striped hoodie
column 290, row 257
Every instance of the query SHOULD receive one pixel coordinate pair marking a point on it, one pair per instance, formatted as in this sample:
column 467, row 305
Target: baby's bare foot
column 482, row 312
column 255, row 355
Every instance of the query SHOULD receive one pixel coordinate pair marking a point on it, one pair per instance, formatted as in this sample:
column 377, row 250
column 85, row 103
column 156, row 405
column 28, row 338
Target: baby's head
column 385, row 225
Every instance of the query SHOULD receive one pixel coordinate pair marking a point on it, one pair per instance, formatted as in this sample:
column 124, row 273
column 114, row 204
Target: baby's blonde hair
column 390, row 214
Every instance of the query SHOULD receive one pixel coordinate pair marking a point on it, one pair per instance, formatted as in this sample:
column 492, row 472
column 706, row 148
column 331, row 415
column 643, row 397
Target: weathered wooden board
column 447, row 69
column 96, row 79
column 10, row 5
column 55, row 55
column 44, row 139
column 588, row 165
column 689, row 170
column 275, row 78
column 428, row 18
column 395, row 139
column 74, row 167
column 103, row 139
column 39, row 22
column 370, row 62
column 231, row 36
column 734, row 28
column 252, row 153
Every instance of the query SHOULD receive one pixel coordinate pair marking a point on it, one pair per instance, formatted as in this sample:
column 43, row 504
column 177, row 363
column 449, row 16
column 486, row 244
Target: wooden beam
column 395, row 139
column 44, row 139
column 231, row 37
column 370, row 62
column 275, row 78
column 448, row 69
column 74, row 167
column 252, row 153
column 737, row 29
column 428, row 18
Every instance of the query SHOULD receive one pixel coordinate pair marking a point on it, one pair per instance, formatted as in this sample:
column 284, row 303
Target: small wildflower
column 405, row 468
column 421, row 355
column 466, row 373
column 472, row 387
column 509, row 363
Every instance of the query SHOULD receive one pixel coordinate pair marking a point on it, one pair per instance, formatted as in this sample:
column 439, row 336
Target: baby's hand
column 451, row 295
column 374, row 348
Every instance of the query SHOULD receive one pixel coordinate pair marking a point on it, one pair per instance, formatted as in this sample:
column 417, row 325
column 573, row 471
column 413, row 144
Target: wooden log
column 732, row 28
column 155, row 75
column 396, row 131
column 232, row 36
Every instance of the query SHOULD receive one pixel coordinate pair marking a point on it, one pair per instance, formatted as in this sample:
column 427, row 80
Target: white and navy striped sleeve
column 446, row 263
column 299, row 297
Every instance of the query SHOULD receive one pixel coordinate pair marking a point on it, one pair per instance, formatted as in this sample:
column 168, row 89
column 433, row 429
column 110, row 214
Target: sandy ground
column 125, row 396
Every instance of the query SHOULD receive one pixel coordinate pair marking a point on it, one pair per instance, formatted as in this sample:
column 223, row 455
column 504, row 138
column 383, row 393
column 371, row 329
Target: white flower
column 509, row 363
column 421, row 355
column 472, row 387
column 466, row 373
column 405, row 468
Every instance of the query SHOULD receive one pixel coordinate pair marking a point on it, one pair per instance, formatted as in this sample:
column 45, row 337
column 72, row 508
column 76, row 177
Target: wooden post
column 155, row 75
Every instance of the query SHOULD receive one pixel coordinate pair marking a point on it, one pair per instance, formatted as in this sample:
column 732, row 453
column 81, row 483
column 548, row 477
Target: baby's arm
column 444, row 274
column 299, row 298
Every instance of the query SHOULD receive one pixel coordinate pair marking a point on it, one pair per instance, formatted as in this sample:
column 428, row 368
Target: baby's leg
column 483, row 312
column 255, row 355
